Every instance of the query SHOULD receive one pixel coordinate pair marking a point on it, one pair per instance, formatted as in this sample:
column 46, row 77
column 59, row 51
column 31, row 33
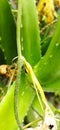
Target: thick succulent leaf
column 48, row 69
column 7, row 31
column 7, row 119
column 30, row 32
column 26, row 95
column 53, row 86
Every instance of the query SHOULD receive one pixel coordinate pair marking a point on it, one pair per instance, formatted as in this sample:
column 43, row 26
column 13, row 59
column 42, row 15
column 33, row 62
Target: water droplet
column 41, row 57
column 22, row 93
column 51, row 56
column 5, row 58
column 2, row 49
column 21, row 26
column 57, row 44
column 22, row 48
column 22, row 39
column 0, row 38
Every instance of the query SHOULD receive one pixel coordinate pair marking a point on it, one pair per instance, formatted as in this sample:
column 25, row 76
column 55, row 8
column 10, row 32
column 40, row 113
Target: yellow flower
column 46, row 8
column 57, row 3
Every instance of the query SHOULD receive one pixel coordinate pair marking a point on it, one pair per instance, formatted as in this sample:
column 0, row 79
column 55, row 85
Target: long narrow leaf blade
column 7, row 31
column 30, row 32
column 26, row 96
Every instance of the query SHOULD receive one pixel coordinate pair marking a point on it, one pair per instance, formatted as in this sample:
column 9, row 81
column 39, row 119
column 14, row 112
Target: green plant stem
column 19, row 13
column 47, row 111
column 22, row 61
column 35, row 81
column 46, row 26
column 31, row 123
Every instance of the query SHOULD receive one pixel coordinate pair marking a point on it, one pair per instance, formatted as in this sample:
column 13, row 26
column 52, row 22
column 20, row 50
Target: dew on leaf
column 51, row 56
column 22, row 39
column 41, row 57
column 21, row 26
column 0, row 38
column 5, row 58
column 3, row 50
column 22, row 48
column 57, row 44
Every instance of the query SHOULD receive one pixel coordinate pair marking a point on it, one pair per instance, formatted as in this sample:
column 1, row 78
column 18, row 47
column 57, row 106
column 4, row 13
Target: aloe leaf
column 7, row 31
column 7, row 117
column 48, row 68
column 53, row 86
column 26, row 96
column 6, row 111
column 30, row 37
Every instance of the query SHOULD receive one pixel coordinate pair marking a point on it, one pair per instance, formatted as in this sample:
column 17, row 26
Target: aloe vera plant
column 46, row 69
column 30, row 29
